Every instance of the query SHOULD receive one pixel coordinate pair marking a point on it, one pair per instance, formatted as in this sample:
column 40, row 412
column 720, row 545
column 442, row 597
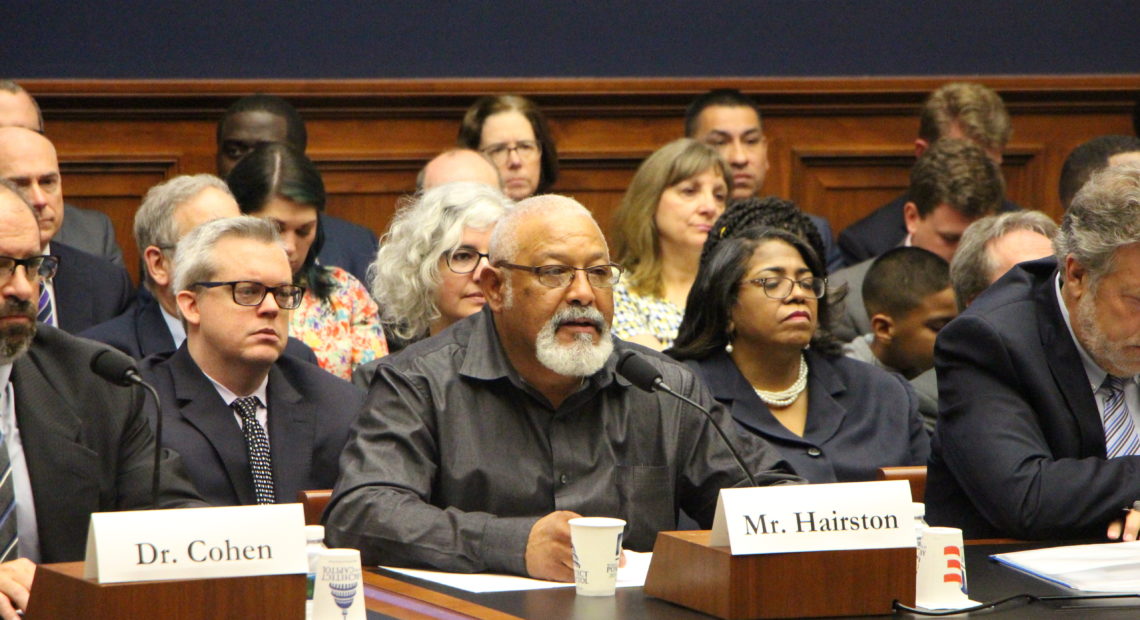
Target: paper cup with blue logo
column 596, row 544
column 339, row 586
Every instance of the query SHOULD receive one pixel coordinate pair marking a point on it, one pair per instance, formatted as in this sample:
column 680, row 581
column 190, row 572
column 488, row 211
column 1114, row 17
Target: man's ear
column 920, row 147
column 491, row 282
column 911, row 217
column 188, row 307
column 1075, row 278
column 157, row 265
column 883, row 326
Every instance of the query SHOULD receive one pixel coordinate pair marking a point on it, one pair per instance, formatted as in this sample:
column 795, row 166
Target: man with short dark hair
column 1037, row 432
column 478, row 445
column 959, row 110
column 1092, row 157
column 252, row 425
column 951, row 185
column 260, row 119
column 729, row 120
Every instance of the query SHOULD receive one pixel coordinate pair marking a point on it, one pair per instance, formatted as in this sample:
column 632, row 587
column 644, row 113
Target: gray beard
column 580, row 358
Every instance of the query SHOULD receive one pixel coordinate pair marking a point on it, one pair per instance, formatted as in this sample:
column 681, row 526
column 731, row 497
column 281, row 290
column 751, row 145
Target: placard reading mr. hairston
column 815, row 517
column 191, row 543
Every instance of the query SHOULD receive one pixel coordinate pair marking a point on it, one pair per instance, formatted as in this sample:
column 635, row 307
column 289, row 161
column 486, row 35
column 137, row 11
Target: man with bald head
column 87, row 289
column 476, row 446
column 459, row 165
column 83, row 229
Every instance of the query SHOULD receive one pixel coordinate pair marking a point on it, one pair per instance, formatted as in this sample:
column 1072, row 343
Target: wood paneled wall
column 838, row 147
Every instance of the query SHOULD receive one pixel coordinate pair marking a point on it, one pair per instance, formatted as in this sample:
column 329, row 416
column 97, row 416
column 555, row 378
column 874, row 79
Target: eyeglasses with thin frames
column 287, row 296
column 35, row 268
column 559, row 276
column 780, row 287
column 500, row 152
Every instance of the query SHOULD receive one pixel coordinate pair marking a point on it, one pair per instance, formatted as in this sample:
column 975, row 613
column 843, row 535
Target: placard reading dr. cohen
column 815, row 517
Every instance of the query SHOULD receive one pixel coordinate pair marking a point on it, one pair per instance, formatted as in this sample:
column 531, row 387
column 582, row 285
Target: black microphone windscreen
column 114, row 366
column 638, row 371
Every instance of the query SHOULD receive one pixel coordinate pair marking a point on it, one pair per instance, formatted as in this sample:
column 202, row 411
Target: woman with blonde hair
column 665, row 216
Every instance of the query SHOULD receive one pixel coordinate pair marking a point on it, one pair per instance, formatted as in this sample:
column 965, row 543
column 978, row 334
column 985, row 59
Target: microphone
column 638, row 371
column 118, row 368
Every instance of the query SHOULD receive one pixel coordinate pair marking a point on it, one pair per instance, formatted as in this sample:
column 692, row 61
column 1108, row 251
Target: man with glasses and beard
column 1037, row 433
column 72, row 443
column 477, row 446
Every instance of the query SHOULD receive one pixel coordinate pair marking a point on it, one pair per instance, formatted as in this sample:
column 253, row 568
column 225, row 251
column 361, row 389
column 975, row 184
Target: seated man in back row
column 476, row 446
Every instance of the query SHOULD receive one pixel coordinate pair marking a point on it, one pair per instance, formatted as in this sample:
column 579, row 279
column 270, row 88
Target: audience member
column 253, row 426
column 960, row 110
column 268, row 119
column 1094, row 156
column 337, row 318
column 86, row 290
column 512, row 132
column 168, row 211
column 82, row 229
column 458, row 166
column 729, row 121
column 659, row 229
column 991, row 246
column 478, row 445
column 426, row 274
column 1035, row 437
column 951, row 185
column 750, row 333
column 75, row 444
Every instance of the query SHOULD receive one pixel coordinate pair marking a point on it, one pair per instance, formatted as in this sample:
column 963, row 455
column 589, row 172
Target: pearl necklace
column 788, row 396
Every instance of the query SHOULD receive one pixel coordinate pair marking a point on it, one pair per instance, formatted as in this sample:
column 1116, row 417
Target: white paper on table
column 1106, row 567
column 631, row 575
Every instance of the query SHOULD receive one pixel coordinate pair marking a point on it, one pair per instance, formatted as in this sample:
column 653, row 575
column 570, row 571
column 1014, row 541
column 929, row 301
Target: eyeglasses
column 528, row 150
column 287, row 296
column 465, row 259
column 558, row 276
column 780, row 287
column 36, row 267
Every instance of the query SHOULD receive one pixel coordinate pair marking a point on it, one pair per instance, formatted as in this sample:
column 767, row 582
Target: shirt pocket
column 647, row 503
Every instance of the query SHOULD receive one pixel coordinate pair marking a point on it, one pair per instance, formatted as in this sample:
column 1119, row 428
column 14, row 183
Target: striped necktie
column 46, row 310
column 257, row 448
column 1120, row 437
column 9, row 538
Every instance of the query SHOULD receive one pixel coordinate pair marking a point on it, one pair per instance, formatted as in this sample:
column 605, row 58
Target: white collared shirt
column 26, row 525
column 50, row 286
column 174, row 324
column 262, row 413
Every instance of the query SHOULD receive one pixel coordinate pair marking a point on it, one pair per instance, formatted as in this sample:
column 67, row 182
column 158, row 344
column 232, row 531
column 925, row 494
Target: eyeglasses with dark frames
column 500, row 152
column 287, row 296
column 465, row 259
column 558, row 276
column 36, row 267
column 780, row 287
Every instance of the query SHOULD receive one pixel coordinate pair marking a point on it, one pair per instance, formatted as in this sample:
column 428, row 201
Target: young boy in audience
column 908, row 297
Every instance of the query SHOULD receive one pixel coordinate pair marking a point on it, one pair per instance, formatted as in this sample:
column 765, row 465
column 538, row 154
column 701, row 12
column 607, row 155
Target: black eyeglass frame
column 298, row 292
column 808, row 289
column 41, row 267
column 553, row 271
column 474, row 266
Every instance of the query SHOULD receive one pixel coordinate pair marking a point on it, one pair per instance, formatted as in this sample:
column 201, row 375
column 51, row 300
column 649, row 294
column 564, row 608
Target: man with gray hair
column 992, row 245
column 253, row 426
column 476, row 446
column 1036, row 434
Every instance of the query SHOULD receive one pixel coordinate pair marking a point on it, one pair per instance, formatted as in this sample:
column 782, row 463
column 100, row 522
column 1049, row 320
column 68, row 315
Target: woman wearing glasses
column 512, row 132
column 336, row 318
column 664, row 218
column 751, row 331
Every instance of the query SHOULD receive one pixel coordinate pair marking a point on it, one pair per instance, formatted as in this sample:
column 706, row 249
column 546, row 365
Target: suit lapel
column 292, row 435
column 729, row 386
column 151, row 331
column 825, row 414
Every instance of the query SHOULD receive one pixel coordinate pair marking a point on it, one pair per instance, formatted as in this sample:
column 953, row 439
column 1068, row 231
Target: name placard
column 815, row 517
column 191, row 543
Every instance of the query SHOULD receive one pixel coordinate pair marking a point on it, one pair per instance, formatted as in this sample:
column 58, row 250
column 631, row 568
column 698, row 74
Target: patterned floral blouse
column 343, row 332
column 638, row 314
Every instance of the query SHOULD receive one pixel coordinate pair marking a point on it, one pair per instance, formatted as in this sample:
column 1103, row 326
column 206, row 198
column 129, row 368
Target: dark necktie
column 45, row 310
column 8, row 535
column 257, row 448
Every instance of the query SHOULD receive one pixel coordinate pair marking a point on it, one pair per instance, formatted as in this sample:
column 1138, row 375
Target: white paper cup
column 339, row 587
column 597, row 550
column 941, row 580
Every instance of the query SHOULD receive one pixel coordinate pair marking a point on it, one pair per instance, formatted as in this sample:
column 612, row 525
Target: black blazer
column 1019, row 448
column 348, row 246
column 88, row 290
column 141, row 331
column 310, row 412
column 87, row 444
column 859, row 417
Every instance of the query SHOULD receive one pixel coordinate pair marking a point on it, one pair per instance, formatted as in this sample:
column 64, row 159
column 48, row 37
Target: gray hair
column 1104, row 216
column 154, row 220
column 9, row 86
column 973, row 266
column 504, row 241
column 194, row 258
column 405, row 275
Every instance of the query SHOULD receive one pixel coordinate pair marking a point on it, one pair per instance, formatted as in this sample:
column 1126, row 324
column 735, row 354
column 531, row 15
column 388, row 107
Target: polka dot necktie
column 257, row 448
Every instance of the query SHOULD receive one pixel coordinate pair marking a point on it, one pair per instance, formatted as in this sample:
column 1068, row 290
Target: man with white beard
column 477, row 446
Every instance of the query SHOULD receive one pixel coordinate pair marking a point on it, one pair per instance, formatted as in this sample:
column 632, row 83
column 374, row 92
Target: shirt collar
column 229, row 397
column 174, row 324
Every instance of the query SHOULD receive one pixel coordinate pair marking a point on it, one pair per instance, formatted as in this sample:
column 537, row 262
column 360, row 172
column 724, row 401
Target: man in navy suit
column 260, row 119
column 1037, row 433
column 86, row 290
column 252, row 425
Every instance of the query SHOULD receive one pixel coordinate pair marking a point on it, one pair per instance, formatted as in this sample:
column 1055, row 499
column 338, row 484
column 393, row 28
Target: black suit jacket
column 348, row 246
column 310, row 412
column 87, row 444
column 141, row 331
column 1019, row 447
column 88, row 290
column 881, row 230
